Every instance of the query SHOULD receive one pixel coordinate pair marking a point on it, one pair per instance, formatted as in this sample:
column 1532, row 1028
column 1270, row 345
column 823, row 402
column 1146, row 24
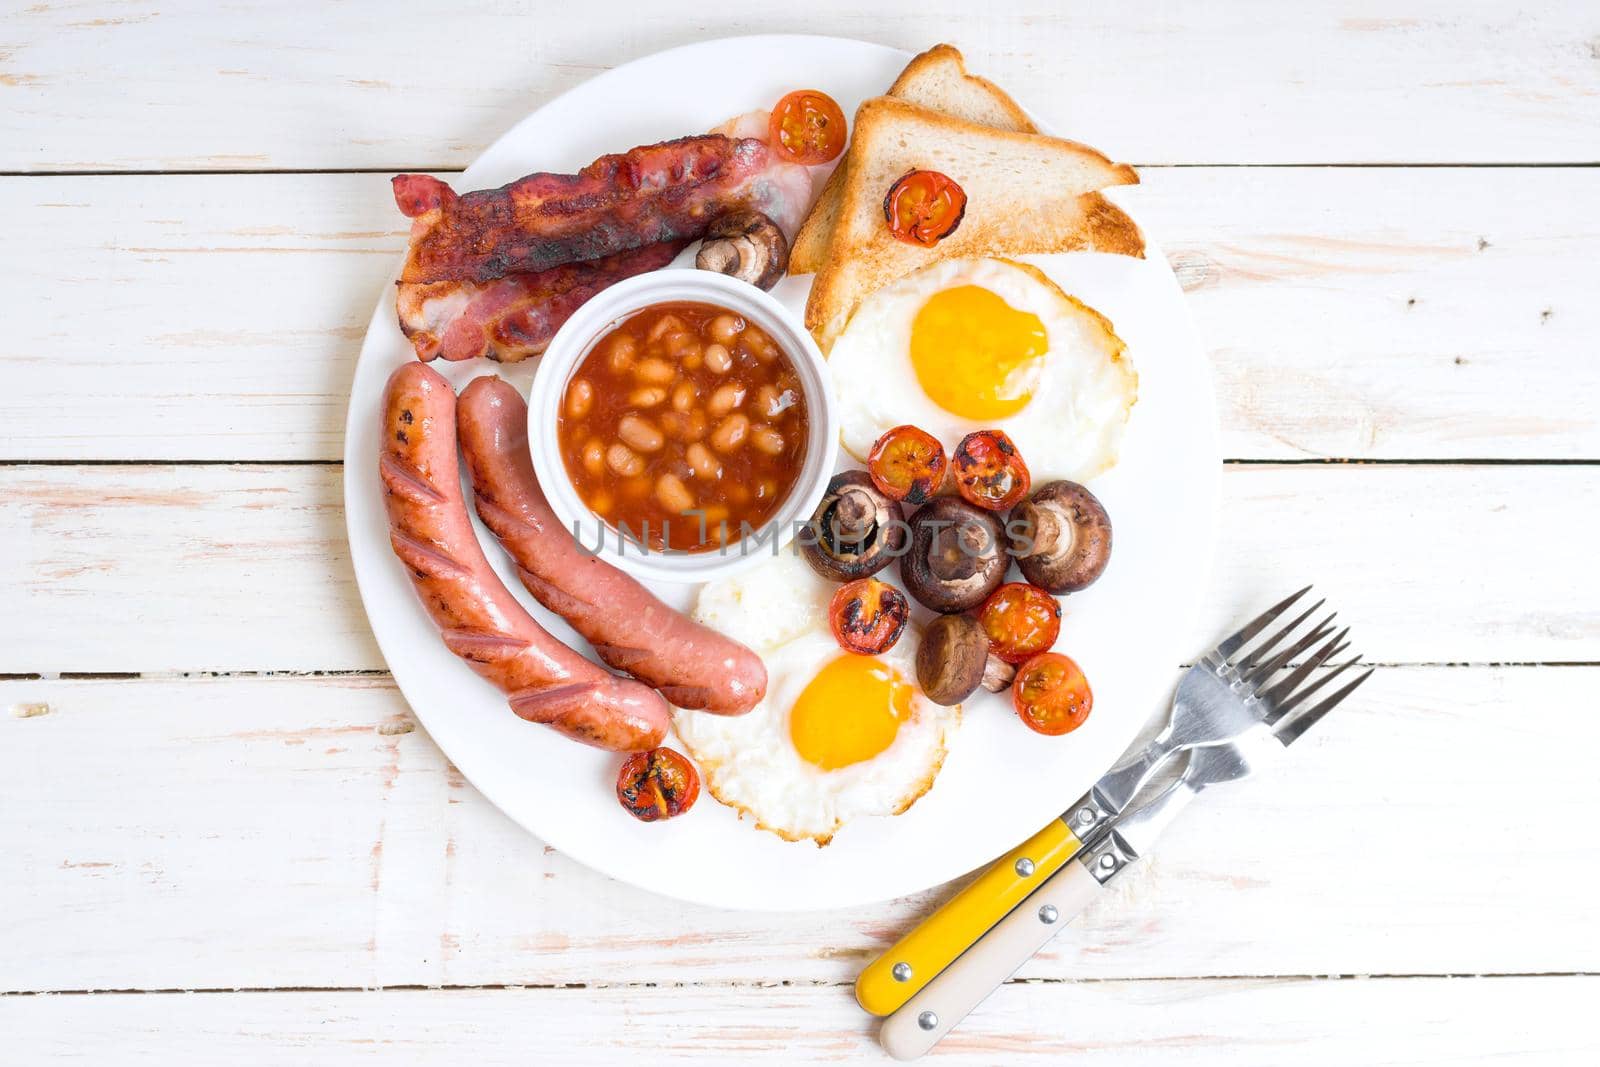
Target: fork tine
column 1257, row 678
column 1280, row 691
column 1296, row 699
column 1255, row 626
column 1278, row 662
column 1250, row 659
column 1292, row 732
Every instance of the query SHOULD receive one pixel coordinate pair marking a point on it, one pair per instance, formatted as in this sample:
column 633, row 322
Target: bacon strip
column 649, row 195
column 511, row 318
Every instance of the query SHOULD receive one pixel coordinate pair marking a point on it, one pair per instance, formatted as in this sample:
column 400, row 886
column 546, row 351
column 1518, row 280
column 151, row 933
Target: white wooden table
column 223, row 840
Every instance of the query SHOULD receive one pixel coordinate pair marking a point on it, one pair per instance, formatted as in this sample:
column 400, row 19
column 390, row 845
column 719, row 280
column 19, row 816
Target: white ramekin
column 593, row 321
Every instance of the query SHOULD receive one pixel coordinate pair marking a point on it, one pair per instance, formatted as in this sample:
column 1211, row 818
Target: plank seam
column 1303, row 461
column 781, row 984
column 1575, row 164
column 381, row 674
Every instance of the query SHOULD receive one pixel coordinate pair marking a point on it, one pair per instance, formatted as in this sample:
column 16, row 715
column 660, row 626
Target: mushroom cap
column 951, row 658
column 1065, row 535
column 957, row 556
column 746, row 245
column 856, row 529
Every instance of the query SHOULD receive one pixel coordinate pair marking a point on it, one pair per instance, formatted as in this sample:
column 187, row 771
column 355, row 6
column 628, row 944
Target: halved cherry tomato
column 924, row 207
column 658, row 784
column 807, row 127
column 989, row 470
column 867, row 616
column 1021, row 620
column 1051, row 694
column 907, row 464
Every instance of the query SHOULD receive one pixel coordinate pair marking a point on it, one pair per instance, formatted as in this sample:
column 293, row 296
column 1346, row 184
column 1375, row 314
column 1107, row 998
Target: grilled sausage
column 478, row 617
column 632, row 630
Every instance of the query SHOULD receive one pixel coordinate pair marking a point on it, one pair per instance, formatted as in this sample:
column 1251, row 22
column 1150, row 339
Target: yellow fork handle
column 934, row 944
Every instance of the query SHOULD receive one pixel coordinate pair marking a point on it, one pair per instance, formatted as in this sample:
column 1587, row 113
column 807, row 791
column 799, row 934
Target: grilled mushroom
column 855, row 531
column 1061, row 537
column 954, row 660
column 957, row 555
column 747, row 245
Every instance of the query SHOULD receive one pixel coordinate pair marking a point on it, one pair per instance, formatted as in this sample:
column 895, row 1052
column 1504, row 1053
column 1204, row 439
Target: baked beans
column 684, row 408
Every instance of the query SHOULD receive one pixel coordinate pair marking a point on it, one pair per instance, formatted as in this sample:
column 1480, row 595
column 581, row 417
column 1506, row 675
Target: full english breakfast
column 973, row 395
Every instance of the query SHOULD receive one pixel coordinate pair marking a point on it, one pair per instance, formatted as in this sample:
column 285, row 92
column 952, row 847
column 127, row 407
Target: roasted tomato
column 658, row 784
column 989, row 471
column 924, row 207
column 1051, row 694
column 868, row 616
column 1021, row 620
column 907, row 464
column 807, row 127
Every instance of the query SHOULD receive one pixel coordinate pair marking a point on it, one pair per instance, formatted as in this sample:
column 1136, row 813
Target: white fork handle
column 923, row 1020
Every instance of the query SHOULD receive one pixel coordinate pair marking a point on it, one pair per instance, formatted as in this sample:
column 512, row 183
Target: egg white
column 1083, row 388
column 771, row 603
column 749, row 761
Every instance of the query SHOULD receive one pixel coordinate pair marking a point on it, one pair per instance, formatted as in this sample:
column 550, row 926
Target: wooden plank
column 177, row 568
column 1397, row 314
column 181, row 568
column 1528, row 1021
column 1384, row 314
column 189, row 318
column 252, row 832
column 102, row 85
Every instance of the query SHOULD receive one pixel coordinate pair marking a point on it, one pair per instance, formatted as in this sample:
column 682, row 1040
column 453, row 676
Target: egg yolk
column 849, row 712
column 968, row 346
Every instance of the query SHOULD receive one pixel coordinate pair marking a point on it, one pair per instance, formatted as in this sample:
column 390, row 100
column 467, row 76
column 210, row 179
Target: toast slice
column 938, row 80
column 1022, row 189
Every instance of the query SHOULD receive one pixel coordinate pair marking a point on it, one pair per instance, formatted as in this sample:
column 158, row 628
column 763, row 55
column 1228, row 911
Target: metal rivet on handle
column 1084, row 817
column 927, row 1020
column 1025, row 866
column 902, row 972
column 1048, row 914
column 1107, row 862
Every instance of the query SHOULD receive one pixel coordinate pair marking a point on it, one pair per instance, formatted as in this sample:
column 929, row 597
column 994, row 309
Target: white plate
column 1001, row 782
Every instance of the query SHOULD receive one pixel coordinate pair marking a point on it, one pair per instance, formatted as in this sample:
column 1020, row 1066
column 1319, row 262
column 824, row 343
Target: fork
column 948, row 997
column 1218, row 699
column 1222, row 697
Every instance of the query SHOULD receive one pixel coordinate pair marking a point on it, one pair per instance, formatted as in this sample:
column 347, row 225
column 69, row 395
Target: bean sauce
column 681, row 424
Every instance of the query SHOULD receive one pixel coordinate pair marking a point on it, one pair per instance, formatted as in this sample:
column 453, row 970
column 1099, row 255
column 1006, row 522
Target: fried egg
column 978, row 344
column 837, row 737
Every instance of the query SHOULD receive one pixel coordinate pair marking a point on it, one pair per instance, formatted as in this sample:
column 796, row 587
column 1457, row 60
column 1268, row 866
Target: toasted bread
column 938, row 80
column 1022, row 189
